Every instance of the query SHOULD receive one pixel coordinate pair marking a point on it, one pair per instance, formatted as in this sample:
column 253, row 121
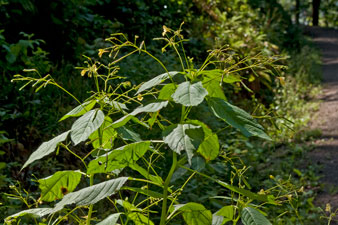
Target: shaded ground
column 326, row 151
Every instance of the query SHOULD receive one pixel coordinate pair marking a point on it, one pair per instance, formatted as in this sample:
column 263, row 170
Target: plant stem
column 91, row 182
column 165, row 189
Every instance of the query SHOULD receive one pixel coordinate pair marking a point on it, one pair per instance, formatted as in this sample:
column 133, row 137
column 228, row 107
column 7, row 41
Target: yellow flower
column 165, row 30
column 328, row 207
column 139, row 97
column 101, row 51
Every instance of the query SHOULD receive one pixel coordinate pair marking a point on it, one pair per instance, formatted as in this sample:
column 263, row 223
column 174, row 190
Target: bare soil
column 325, row 153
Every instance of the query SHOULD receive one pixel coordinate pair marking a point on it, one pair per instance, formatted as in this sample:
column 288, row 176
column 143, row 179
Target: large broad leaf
column 194, row 213
column 237, row 118
column 167, row 91
column 92, row 194
column 46, row 148
column 251, row 216
column 110, row 220
column 139, row 218
column 223, row 215
column 108, row 135
column 118, row 158
column 59, row 184
column 213, row 87
column 80, row 110
column 128, row 134
column 152, row 107
column 37, row 212
column 189, row 94
column 217, row 75
column 209, row 147
column 156, row 81
column 86, row 125
column 181, row 137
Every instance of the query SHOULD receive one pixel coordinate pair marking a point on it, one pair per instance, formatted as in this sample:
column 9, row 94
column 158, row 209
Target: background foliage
column 53, row 36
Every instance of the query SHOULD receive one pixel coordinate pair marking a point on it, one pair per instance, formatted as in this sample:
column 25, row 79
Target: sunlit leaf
column 251, row 216
column 185, row 137
column 110, row 220
column 209, row 147
column 37, row 212
column 46, row 148
column 152, row 107
column 189, row 94
column 139, row 219
column 237, row 118
column 86, row 125
column 108, row 135
column 91, row 195
column 60, row 183
column 194, row 213
column 213, row 87
column 118, row 158
column 156, row 81
column 80, row 110
column 167, row 91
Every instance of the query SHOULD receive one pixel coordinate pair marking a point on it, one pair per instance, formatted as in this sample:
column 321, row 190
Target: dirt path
column 326, row 151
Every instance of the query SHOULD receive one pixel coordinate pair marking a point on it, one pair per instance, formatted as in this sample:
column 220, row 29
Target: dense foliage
column 179, row 146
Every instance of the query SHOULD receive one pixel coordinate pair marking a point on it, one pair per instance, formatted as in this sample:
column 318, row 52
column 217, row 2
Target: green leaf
column 80, row 110
column 189, row 94
column 223, row 215
column 213, row 87
column 147, row 192
column 128, row 134
column 217, row 220
column 181, row 137
column 217, row 75
column 108, row 135
column 56, row 186
column 86, row 125
column 209, row 147
column 167, row 91
column 237, row 118
column 91, row 195
column 152, row 107
column 156, row 81
column 139, row 218
column 110, row 220
column 194, row 213
column 37, row 212
column 227, row 212
column 46, row 148
column 251, row 216
column 118, row 158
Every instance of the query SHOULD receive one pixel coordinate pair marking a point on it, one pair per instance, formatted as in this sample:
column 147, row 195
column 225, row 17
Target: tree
column 315, row 12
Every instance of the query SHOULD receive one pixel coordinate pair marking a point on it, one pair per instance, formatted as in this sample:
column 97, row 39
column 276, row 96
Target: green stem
column 91, row 182
column 165, row 190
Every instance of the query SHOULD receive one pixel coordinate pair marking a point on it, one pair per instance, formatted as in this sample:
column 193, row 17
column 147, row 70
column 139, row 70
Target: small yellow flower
column 301, row 189
column 165, row 30
column 281, row 80
column 101, row 51
column 328, row 207
column 272, row 177
column 139, row 97
column 83, row 72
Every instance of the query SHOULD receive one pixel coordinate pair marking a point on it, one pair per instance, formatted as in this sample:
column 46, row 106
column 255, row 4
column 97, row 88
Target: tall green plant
column 108, row 121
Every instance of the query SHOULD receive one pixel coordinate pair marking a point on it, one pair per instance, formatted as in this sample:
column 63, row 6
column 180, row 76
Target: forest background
column 56, row 37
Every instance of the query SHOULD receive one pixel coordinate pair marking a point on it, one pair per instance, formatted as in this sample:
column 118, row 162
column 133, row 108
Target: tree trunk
column 297, row 11
column 315, row 12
